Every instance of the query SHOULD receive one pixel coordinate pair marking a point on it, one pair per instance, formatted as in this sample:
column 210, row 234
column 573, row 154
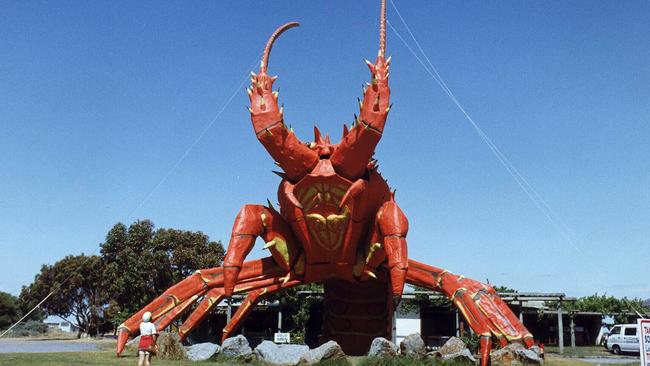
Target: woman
column 148, row 336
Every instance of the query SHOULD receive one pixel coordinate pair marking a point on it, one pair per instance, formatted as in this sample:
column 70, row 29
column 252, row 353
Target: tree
column 140, row 263
column 8, row 310
column 78, row 293
column 609, row 305
column 26, row 303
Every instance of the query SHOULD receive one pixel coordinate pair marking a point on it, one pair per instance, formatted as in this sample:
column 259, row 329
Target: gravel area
column 45, row 346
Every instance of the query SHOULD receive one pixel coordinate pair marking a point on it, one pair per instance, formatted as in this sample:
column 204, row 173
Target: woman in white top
column 148, row 335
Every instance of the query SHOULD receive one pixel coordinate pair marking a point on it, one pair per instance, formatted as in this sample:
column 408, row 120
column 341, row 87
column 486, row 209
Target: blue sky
column 100, row 100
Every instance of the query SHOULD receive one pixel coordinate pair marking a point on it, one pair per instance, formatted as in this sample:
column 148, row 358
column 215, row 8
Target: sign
column 286, row 338
column 644, row 341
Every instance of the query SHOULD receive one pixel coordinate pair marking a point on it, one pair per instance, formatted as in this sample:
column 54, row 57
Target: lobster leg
column 393, row 226
column 191, row 288
column 249, row 303
column 166, row 319
column 211, row 298
column 251, row 222
column 215, row 295
column 486, row 313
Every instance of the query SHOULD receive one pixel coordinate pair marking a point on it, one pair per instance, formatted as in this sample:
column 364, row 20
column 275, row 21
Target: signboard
column 644, row 341
column 281, row 338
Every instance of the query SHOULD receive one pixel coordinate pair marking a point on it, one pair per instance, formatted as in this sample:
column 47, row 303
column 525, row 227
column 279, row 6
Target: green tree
column 78, row 293
column 139, row 263
column 8, row 310
column 26, row 303
column 610, row 305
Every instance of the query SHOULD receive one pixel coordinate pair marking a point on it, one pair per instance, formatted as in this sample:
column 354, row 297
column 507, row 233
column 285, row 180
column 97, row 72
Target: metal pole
column 279, row 321
column 573, row 332
column 560, row 328
column 457, row 323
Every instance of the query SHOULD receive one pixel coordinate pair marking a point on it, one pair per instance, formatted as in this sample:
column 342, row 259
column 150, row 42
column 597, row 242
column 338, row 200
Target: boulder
column 326, row 351
column 236, row 347
column 529, row 356
column 413, row 346
column 202, row 351
column 455, row 350
column 382, row 347
column 170, row 347
column 280, row 354
column 515, row 354
column 453, row 345
column 462, row 357
column 538, row 351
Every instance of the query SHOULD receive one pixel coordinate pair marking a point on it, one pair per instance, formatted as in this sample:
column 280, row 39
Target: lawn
column 105, row 356
column 108, row 358
column 91, row 358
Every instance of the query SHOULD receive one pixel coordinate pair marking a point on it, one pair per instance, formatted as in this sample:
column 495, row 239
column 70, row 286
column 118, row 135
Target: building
column 59, row 324
column 427, row 313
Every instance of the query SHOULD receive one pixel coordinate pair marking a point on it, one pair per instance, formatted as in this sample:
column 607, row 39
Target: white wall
column 405, row 327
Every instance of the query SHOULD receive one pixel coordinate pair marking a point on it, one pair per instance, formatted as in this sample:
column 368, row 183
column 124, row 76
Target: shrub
column 30, row 328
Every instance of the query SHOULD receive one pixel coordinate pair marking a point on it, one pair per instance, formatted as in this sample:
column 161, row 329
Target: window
column 630, row 331
column 615, row 330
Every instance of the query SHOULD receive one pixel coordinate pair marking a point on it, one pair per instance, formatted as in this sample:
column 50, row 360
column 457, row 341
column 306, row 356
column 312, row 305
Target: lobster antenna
column 269, row 44
column 382, row 29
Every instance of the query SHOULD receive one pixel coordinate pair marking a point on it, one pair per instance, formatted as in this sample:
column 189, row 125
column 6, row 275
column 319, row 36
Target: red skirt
column 145, row 342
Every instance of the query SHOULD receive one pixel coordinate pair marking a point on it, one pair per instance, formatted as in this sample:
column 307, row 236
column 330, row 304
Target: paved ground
column 610, row 361
column 45, row 346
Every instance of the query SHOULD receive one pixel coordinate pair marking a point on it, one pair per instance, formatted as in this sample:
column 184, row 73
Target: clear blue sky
column 99, row 100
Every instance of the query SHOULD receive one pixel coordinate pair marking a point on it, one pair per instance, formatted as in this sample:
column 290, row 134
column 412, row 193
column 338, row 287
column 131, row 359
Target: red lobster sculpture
column 338, row 225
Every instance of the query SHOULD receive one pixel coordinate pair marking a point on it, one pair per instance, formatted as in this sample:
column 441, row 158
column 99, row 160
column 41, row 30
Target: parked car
column 623, row 338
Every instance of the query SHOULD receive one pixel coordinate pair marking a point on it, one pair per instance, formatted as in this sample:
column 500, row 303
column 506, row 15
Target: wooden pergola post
column 572, row 326
column 560, row 327
column 457, row 322
column 228, row 311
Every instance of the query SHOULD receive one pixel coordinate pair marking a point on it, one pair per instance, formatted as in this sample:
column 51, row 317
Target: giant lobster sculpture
column 338, row 225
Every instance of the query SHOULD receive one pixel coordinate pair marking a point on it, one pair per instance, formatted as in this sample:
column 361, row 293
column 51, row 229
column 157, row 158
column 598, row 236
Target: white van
column 623, row 338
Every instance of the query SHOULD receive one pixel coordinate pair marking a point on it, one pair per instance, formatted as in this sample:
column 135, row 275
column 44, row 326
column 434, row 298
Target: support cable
column 205, row 130
column 522, row 182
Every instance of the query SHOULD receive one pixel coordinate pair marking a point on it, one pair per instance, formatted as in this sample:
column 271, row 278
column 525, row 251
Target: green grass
column 406, row 361
column 584, row 351
column 96, row 358
column 107, row 357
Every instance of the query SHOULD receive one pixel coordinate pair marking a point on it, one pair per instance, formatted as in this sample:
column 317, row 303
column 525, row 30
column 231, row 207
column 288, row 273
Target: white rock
column 236, row 347
column 325, row 351
column 280, row 354
column 382, row 347
column 202, row 351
